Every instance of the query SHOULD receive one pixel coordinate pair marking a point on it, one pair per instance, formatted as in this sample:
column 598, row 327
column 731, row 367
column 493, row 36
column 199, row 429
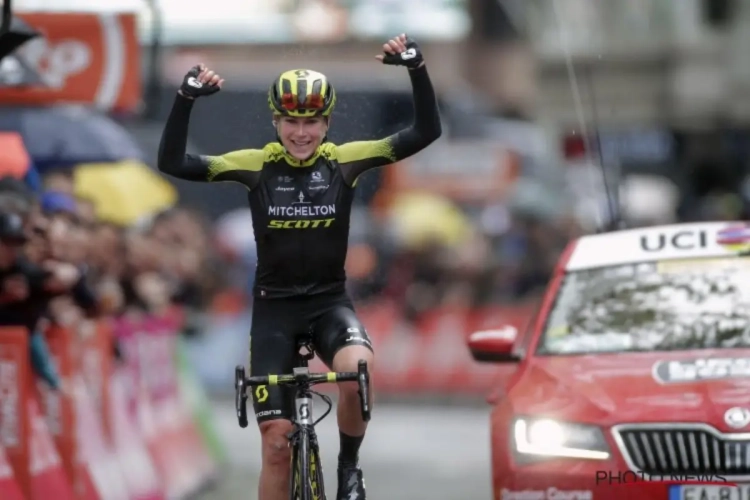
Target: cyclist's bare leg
column 275, row 469
column 348, row 411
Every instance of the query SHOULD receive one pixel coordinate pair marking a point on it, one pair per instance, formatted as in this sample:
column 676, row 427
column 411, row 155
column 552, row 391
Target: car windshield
column 656, row 306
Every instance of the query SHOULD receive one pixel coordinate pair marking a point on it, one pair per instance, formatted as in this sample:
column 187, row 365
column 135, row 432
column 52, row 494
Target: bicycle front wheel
column 317, row 488
column 301, row 484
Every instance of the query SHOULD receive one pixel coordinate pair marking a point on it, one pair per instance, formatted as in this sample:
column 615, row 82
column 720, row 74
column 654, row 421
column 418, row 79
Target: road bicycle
column 306, row 478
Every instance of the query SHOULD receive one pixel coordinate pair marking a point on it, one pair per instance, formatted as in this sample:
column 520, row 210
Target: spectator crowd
column 60, row 263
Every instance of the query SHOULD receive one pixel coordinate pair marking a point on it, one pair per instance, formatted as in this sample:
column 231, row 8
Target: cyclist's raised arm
column 358, row 157
column 242, row 166
column 172, row 159
column 239, row 166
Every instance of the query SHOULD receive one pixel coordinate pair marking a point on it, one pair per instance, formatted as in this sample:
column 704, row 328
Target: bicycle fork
column 307, row 481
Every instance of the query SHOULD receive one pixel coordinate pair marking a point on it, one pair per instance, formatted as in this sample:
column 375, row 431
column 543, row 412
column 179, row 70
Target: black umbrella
column 68, row 135
column 13, row 32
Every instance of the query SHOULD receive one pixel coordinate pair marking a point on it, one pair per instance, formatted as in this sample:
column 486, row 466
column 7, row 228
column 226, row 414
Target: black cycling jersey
column 300, row 209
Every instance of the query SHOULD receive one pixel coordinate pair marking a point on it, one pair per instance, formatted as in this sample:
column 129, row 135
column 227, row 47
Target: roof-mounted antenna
column 615, row 219
column 611, row 190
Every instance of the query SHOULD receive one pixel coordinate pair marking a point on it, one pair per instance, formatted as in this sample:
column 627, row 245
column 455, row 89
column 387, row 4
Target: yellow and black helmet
column 302, row 93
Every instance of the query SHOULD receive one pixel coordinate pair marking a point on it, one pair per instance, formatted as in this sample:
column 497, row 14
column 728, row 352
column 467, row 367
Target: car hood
column 635, row 387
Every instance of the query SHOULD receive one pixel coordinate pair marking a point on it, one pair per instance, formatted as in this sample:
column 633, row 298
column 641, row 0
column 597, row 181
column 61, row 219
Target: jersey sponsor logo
column 282, row 188
column 302, row 211
column 317, row 177
column 301, row 199
column 318, row 188
column 300, row 223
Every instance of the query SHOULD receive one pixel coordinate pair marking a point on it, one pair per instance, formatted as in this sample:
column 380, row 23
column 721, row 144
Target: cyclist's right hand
column 200, row 81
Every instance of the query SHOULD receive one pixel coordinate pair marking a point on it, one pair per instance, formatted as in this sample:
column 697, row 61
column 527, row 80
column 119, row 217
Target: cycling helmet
column 302, row 93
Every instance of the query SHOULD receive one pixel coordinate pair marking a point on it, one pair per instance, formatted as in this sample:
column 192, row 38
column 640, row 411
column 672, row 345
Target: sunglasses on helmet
column 292, row 102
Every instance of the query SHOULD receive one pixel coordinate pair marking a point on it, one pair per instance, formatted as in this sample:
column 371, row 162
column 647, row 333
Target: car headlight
column 544, row 437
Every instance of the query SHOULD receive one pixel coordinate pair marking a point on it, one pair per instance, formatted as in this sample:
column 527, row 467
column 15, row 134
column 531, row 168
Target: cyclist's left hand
column 402, row 51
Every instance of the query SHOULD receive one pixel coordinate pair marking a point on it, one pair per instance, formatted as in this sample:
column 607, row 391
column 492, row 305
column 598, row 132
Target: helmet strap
column 325, row 137
column 275, row 124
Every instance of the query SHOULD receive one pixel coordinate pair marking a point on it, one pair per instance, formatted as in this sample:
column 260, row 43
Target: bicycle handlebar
column 309, row 378
column 361, row 376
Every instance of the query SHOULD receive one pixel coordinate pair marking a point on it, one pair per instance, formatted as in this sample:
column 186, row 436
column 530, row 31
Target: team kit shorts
column 277, row 325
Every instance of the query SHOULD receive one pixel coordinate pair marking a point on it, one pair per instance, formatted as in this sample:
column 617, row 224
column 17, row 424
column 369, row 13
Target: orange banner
column 82, row 58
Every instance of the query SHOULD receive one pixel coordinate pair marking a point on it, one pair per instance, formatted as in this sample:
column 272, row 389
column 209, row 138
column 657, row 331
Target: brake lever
column 240, row 396
column 363, row 380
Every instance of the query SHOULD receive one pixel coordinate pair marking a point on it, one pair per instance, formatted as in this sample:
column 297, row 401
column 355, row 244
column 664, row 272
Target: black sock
column 349, row 449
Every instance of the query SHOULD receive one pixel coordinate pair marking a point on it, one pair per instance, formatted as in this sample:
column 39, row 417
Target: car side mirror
column 494, row 346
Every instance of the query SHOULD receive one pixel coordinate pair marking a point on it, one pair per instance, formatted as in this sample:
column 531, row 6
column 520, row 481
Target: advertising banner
column 91, row 59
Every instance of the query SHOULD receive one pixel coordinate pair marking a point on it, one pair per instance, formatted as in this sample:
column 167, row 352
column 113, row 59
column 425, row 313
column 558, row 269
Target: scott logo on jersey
column 307, row 215
column 300, row 223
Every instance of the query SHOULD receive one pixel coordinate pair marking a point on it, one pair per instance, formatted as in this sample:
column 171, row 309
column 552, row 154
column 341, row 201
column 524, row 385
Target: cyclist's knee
column 276, row 451
column 347, row 360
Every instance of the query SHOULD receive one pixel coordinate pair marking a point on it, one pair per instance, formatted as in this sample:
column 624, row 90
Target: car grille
column 685, row 450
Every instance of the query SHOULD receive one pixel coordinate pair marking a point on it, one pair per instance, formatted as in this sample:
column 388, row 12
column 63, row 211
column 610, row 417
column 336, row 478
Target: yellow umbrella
column 420, row 217
column 123, row 192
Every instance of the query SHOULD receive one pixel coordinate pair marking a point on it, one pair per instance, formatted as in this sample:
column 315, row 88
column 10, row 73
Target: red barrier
column 79, row 420
column 172, row 438
column 431, row 355
column 47, row 476
column 136, row 463
column 95, row 368
column 14, row 419
column 95, row 451
column 96, row 365
column 59, row 412
column 24, row 434
column 9, row 489
column 114, row 432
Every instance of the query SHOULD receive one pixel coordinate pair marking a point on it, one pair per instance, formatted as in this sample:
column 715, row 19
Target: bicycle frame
column 306, row 478
column 306, row 467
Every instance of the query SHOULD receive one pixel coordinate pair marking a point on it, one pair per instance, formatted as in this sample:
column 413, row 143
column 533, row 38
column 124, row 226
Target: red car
column 633, row 380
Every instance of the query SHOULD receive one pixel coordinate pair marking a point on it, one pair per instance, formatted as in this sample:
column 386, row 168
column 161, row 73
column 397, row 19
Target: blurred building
column 548, row 106
column 539, row 90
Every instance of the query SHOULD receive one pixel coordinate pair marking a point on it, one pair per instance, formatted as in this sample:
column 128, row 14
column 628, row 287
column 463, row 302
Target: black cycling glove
column 192, row 87
column 411, row 57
